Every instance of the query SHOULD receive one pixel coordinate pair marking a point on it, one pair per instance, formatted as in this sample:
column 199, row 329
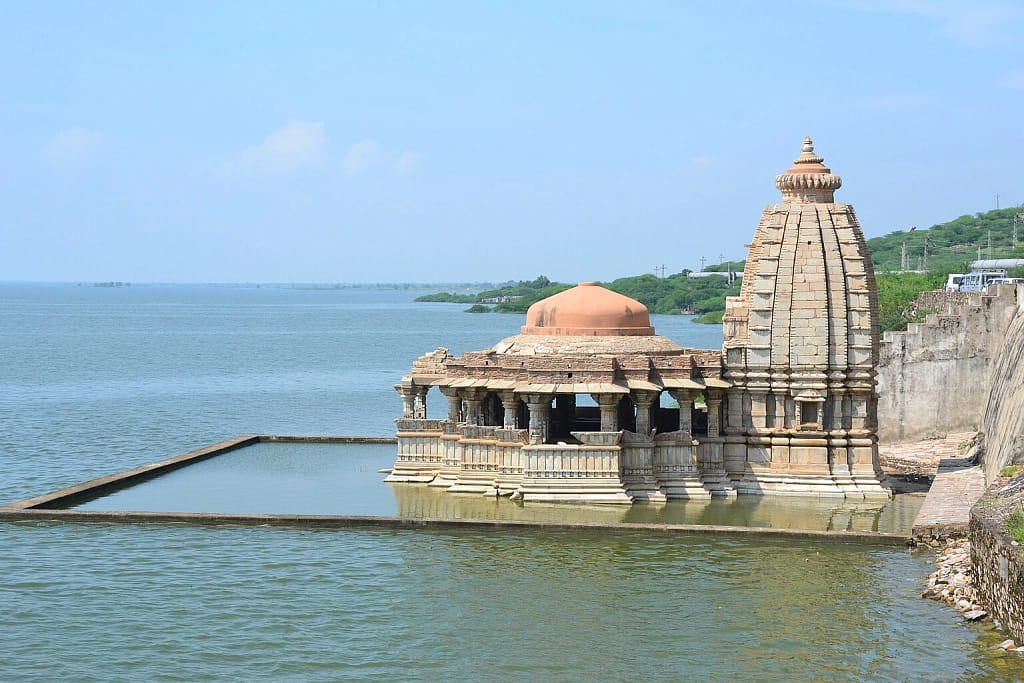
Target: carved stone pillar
column 540, row 417
column 684, row 397
column 714, row 412
column 454, row 403
column 474, row 404
column 644, row 400
column 510, row 402
column 609, row 404
column 408, row 407
column 419, row 410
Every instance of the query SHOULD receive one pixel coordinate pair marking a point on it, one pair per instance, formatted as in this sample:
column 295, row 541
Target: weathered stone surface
column 997, row 560
column 936, row 377
column 1003, row 420
column 807, row 316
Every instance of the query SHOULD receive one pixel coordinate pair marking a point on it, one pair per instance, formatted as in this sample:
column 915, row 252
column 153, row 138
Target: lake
column 98, row 380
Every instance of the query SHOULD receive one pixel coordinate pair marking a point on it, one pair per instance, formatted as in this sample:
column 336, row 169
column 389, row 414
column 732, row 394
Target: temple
column 573, row 410
column 801, row 347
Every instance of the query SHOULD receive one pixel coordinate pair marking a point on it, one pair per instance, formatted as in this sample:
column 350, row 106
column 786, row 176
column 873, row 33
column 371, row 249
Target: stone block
column 808, row 455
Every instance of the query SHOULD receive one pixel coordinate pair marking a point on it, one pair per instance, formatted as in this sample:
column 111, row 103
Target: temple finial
column 808, row 180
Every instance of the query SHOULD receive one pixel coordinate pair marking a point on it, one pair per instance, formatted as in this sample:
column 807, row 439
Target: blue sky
column 467, row 141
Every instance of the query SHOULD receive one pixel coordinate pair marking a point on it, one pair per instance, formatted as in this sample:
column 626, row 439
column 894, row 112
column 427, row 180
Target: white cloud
column 73, row 145
column 298, row 145
column 407, row 162
column 361, row 157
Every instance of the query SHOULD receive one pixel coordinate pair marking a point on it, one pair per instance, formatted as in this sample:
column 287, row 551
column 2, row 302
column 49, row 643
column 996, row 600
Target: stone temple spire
column 808, row 180
column 801, row 347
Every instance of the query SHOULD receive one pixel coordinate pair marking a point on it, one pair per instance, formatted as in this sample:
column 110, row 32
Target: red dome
column 588, row 310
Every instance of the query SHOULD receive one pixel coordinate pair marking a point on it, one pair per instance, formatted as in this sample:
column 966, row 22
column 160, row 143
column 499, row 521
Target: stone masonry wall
column 934, row 378
column 997, row 561
column 1003, row 421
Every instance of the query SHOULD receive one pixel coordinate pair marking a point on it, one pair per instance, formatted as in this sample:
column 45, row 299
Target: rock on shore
column 953, row 581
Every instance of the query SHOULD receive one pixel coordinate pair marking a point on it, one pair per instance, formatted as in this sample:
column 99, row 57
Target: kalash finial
column 808, row 181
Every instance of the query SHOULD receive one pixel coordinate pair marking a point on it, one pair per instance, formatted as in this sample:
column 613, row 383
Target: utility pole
column 990, row 243
column 702, row 262
column 903, row 256
column 997, row 201
column 661, row 268
column 925, row 253
column 1016, row 218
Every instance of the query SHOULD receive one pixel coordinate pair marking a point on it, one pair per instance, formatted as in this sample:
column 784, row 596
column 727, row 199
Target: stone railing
column 598, row 438
column 406, row 424
column 572, row 462
column 479, row 432
column 512, row 435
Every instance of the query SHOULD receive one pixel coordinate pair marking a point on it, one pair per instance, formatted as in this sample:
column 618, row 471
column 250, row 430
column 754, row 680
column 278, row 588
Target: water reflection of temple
column 588, row 404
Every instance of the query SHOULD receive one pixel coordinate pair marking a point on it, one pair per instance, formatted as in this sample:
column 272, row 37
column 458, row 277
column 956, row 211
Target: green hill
column 951, row 246
column 932, row 253
column 673, row 294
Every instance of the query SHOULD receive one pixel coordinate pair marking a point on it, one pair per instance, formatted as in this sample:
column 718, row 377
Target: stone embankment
column 997, row 559
column 935, row 377
column 1003, row 421
column 944, row 529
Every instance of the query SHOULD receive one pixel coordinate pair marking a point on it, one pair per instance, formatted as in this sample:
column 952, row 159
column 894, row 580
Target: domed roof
column 588, row 310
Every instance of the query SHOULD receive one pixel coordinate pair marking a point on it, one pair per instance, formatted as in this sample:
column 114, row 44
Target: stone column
column 540, row 416
column 408, row 406
column 474, row 397
column 420, row 402
column 684, row 397
column 758, row 384
column 733, row 410
column 454, row 403
column 714, row 412
column 609, row 404
column 644, row 400
column 510, row 402
column 779, row 389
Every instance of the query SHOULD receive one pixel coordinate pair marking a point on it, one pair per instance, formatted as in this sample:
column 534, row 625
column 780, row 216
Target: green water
column 136, row 603
column 95, row 381
column 344, row 479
